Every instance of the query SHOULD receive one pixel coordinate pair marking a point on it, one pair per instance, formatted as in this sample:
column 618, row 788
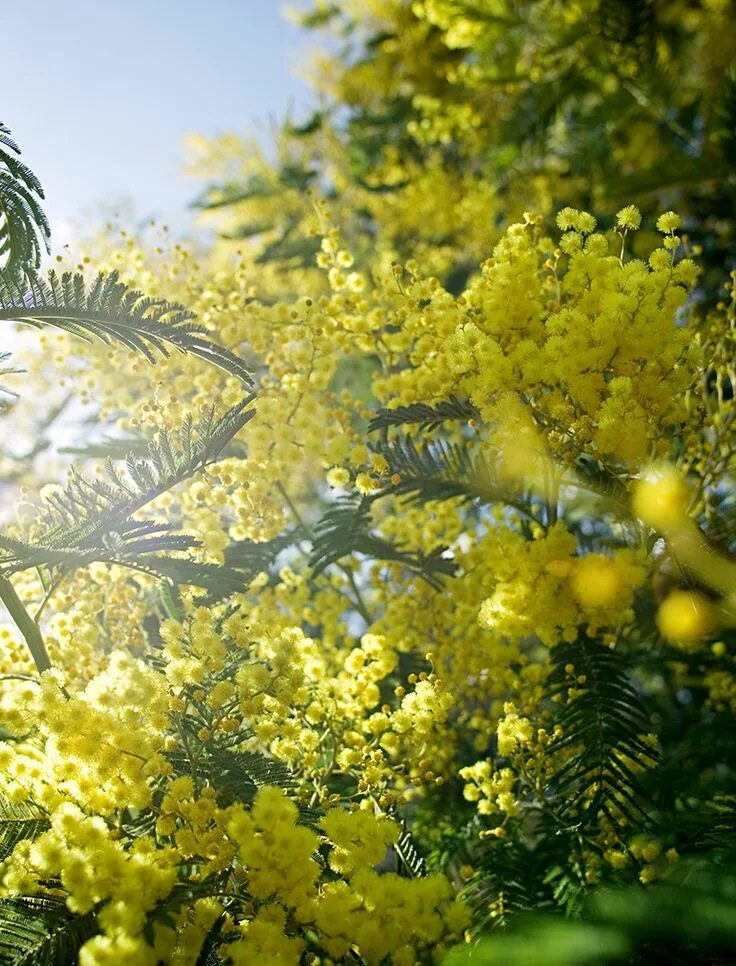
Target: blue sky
column 101, row 94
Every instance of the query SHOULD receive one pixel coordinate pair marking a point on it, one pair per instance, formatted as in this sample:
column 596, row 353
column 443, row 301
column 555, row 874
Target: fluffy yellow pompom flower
column 661, row 499
column 686, row 617
column 629, row 217
column 597, row 582
column 513, row 731
column 668, row 222
column 364, row 483
column 338, row 477
column 571, row 218
column 359, row 839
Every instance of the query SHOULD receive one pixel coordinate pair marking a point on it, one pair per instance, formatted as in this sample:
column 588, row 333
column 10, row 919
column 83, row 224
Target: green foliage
column 284, row 241
column 508, row 880
column 108, row 310
column 41, row 932
column 605, row 103
column 558, row 101
column 19, row 821
column 687, row 921
column 438, row 470
column 104, row 309
column 219, row 760
column 423, row 416
column 411, row 862
column 235, row 775
column 603, row 725
column 24, row 228
column 345, row 528
column 95, row 519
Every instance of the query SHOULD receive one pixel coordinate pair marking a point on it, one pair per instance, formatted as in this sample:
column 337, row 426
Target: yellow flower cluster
column 377, row 690
column 541, row 588
column 492, row 790
column 98, row 758
column 528, row 319
column 100, row 747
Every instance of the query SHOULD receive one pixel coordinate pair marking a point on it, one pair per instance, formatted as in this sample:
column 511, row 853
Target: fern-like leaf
column 601, row 746
column 236, row 776
column 344, row 529
column 19, row 821
column 24, row 228
column 411, row 863
column 424, row 416
column 77, row 512
column 438, row 470
column 40, row 931
column 111, row 311
column 507, row 881
column 208, row 952
column 93, row 519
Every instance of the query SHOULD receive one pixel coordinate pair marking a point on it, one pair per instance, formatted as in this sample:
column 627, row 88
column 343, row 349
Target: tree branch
column 25, row 624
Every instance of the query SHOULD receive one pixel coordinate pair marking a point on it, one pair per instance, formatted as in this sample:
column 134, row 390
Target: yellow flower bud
column 597, row 582
column 661, row 499
column 686, row 617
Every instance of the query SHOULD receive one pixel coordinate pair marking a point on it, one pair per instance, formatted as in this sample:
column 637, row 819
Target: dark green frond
column 108, row 310
column 438, row 470
column 19, row 821
column 93, row 519
column 242, row 773
column 345, row 528
column 424, row 416
column 507, row 880
column 602, row 744
column 24, row 228
column 598, row 478
column 410, row 863
column 218, row 580
column 77, row 511
column 568, row 884
column 208, row 953
column 140, row 546
column 710, row 825
column 6, row 142
column 41, row 932
column 236, row 776
column 129, row 544
column 243, row 560
column 255, row 557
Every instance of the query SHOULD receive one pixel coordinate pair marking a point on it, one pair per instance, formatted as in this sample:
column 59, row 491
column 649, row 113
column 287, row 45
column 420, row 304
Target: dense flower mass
column 446, row 630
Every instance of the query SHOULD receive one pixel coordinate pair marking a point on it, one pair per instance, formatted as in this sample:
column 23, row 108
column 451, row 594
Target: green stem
column 169, row 601
column 359, row 602
column 25, row 624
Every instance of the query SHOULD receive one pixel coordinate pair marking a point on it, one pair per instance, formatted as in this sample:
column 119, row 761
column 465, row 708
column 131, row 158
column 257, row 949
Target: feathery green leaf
column 41, row 932
column 111, row 311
